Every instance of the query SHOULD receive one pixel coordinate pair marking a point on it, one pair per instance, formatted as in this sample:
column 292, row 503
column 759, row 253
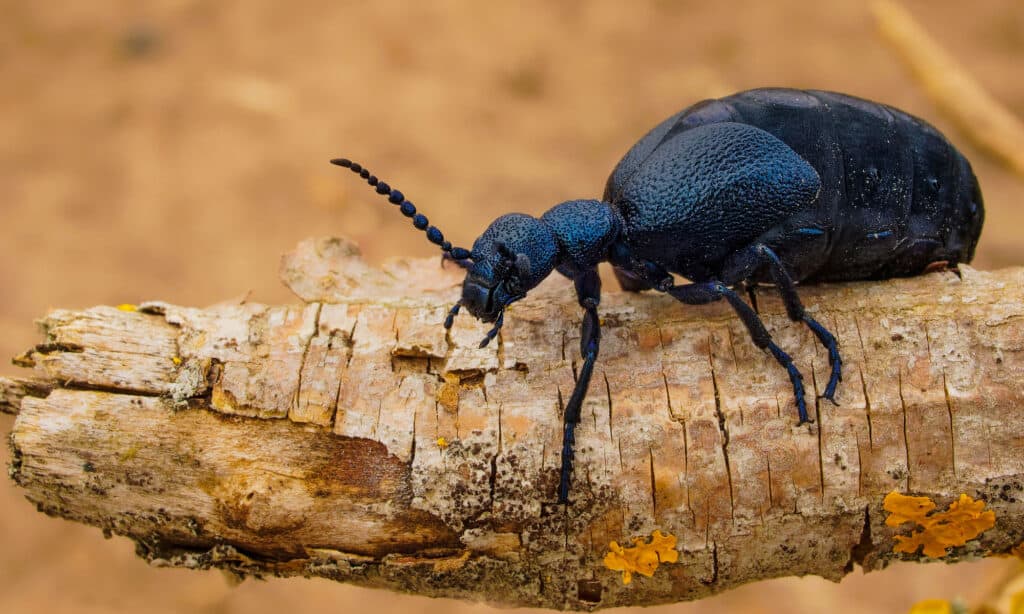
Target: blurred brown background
column 174, row 149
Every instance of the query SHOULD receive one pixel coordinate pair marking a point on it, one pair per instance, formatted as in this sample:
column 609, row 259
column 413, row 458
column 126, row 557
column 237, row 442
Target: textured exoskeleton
column 775, row 185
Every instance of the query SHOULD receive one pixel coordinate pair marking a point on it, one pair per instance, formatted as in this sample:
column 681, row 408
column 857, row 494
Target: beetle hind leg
column 796, row 312
column 708, row 292
column 759, row 255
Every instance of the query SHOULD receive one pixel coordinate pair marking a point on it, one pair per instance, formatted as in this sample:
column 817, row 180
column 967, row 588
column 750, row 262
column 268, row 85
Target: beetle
column 768, row 185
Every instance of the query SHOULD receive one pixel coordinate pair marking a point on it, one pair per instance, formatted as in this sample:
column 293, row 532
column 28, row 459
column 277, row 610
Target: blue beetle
column 776, row 185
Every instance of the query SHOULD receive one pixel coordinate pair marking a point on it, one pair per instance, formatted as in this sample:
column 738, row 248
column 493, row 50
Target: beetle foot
column 450, row 318
column 491, row 334
column 835, row 361
column 795, row 378
column 835, row 377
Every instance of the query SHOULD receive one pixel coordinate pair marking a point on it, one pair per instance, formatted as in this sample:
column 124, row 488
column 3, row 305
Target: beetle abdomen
column 896, row 196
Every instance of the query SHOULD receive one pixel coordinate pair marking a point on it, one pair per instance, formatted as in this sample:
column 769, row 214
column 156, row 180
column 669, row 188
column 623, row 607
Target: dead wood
column 348, row 437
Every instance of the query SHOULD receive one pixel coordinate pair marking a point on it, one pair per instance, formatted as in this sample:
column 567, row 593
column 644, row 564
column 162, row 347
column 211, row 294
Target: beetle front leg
column 588, row 291
column 498, row 323
column 450, row 318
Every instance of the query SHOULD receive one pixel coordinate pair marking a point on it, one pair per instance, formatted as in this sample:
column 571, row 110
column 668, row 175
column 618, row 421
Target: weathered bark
column 348, row 437
column 14, row 389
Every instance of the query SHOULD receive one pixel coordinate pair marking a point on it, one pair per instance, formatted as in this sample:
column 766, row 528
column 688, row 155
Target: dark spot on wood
column 589, row 590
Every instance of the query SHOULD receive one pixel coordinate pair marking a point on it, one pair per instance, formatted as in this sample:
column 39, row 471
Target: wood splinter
column 349, row 437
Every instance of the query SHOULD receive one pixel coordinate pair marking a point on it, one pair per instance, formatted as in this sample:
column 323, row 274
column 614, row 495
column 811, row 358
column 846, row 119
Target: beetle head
column 510, row 258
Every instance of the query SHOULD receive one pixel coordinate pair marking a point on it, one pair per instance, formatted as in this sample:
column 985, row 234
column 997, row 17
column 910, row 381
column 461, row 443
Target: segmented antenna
column 395, row 197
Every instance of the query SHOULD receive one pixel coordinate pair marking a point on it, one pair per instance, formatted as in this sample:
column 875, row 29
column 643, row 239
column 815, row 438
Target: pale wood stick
column 14, row 389
column 348, row 437
column 981, row 118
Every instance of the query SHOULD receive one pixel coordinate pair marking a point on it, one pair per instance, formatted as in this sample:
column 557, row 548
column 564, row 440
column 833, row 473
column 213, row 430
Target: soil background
column 173, row 149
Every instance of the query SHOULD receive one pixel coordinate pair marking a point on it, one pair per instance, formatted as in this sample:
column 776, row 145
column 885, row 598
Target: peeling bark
column 349, row 437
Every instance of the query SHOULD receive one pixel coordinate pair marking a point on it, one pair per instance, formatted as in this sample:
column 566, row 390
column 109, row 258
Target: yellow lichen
column 448, row 393
column 128, row 307
column 442, row 443
column 931, row 606
column 642, row 557
column 176, row 360
column 963, row 521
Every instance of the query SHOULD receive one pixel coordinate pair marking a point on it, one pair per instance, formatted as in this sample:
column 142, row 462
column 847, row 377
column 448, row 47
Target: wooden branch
column 14, row 389
column 348, row 437
column 979, row 116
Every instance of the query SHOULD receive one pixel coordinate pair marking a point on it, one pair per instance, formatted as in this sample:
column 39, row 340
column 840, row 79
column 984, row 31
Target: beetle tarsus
column 450, row 318
column 491, row 334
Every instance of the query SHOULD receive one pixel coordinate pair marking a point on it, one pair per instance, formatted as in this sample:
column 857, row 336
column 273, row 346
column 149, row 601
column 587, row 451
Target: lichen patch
column 963, row 521
column 642, row 557
column 448, row 392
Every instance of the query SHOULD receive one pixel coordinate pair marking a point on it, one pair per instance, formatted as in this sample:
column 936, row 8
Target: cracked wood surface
column 349, row 437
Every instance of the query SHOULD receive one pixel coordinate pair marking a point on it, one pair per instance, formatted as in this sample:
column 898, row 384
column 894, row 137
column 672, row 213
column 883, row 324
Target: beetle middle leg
column 711, row 291
column 760, row 255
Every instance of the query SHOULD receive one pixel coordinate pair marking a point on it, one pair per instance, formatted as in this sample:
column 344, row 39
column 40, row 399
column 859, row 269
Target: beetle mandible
column 767, row 185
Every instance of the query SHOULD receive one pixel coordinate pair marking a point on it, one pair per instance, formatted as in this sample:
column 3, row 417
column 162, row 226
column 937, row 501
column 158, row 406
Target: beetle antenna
column 395, row 197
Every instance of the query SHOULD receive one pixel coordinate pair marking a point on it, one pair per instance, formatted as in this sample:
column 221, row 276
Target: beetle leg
column 450, row 318
column 795, row 310
column 588, row 291
column 709, row 292
column 491, row 334
column 498, row 323
column 750, row 287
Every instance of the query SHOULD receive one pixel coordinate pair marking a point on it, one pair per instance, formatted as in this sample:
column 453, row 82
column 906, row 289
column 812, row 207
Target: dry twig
column 348, row 437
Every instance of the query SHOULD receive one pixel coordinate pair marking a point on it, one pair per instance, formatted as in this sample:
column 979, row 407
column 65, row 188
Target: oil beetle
column 767, row 185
